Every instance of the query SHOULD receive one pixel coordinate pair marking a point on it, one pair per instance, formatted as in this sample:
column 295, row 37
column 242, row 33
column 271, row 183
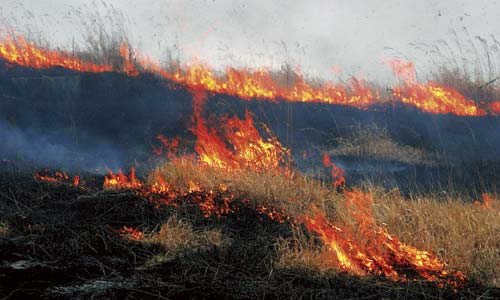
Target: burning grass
column 475, row 225
column 235, row 220
column 174, row 249
column 464, row 235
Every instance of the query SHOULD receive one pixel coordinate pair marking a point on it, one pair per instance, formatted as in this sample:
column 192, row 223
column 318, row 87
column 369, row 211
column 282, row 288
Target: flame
column 405, row 70
column 121, row 181
column 362, row 247
column 488, row 201
column 437, row 99
column 366, row 248
column 128, row 67
column 17, row 50
column 239, row 147
column 131, row 233
column 430, row 97
column 261, row 84
column 336, row 172
column 57, row 177
column 494, row 107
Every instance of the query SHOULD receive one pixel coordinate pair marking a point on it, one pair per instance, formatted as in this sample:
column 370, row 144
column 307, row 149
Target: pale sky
column 354, row 36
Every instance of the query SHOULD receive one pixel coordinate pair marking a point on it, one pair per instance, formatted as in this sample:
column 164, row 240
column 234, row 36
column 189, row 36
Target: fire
column 131, row 233
column 261, row 84
column 488, row 201
column 430, row 97
column 336, row 172
column 128, row 65
column 366, row 248
column 495, row 107
column 361, row 246
column 437, row 99
column 239, row 147
column 122, row 181
column 57, row 177
column 17, row 50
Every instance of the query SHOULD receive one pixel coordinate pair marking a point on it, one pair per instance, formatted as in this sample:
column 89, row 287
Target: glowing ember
column 131, row 233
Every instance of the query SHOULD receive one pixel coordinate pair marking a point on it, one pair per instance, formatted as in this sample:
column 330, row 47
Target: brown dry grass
column 294, row 193
column 4, row 229
column 375, row 143
column 463, row 235
column 177, row 237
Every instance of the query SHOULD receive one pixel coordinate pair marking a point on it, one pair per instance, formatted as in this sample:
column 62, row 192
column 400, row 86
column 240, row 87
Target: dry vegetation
column 55, row 229
column 465, row 236
column 245, row 256
column 294, row 194
column 375, row 143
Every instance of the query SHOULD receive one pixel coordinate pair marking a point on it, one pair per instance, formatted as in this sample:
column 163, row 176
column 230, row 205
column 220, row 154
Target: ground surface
column 64, row 242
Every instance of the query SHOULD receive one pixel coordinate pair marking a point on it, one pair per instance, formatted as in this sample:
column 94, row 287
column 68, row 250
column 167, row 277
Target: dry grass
column 294, row 193
column 4, row 229
column 177, row 237
column 303, row 252
column 465, row 236
column 375, row 143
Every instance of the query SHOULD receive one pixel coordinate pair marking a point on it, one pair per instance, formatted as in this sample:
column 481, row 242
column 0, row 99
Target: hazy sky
column 351, row 35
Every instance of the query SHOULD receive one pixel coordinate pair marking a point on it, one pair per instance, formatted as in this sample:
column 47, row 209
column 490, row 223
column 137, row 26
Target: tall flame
column 240, row 147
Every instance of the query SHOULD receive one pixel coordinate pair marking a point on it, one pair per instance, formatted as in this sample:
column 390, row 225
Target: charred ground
column 62, row 119
column 62, row 242
column 59, row 241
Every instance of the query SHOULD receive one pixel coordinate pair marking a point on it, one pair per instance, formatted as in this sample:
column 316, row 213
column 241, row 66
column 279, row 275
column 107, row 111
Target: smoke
column 37, row 148
column 317, row 35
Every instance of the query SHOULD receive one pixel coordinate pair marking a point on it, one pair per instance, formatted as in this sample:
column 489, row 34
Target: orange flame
column 336, row 172
column 430, row 97
column 361, row 248
column 369, row 249
column 122, row 181
column 58, row 177
column 17, row 50
column 488, row 201
column 131, row 233
column 495, row 107
column 248, row 150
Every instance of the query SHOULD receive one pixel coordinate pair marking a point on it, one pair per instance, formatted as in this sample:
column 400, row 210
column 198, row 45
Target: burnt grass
column 83, row 121
column 63, row 243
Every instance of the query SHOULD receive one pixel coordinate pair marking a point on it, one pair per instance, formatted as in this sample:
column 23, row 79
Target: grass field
column 239, row 219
